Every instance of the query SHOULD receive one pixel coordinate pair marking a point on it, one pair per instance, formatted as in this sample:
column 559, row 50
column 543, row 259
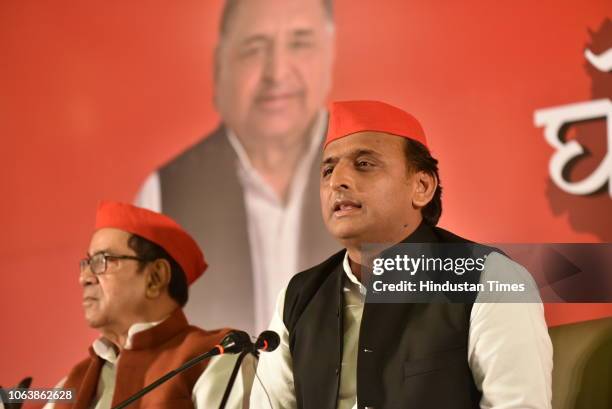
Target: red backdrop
column 95, row 95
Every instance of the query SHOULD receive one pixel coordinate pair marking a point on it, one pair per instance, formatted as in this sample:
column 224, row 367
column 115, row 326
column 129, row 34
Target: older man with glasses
column 135, row 281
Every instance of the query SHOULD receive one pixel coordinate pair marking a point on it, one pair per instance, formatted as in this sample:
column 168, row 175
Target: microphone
column 233, row 343
column 267, row 341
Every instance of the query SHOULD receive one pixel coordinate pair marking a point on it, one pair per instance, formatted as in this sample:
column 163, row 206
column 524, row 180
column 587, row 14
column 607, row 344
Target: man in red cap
column 380, row 184
column 135, row 281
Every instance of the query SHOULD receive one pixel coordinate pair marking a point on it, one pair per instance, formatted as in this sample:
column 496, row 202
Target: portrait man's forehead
column 230, row 8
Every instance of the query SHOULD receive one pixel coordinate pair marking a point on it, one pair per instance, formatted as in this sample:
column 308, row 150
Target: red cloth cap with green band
column 349, row 117
column 158, row 228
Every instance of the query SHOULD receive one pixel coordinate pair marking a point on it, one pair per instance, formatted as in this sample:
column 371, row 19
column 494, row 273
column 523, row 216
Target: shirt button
column 367, row 350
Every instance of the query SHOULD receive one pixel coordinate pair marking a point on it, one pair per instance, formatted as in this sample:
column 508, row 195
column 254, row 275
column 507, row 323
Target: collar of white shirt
column 105, row 349
column 346, row 265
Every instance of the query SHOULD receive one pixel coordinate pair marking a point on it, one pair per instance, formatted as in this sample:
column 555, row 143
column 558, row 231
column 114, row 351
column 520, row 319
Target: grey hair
column 229, row 8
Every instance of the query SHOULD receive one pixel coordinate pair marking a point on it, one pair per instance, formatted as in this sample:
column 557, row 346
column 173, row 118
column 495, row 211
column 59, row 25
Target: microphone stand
column 232, row 379
column 234, row 342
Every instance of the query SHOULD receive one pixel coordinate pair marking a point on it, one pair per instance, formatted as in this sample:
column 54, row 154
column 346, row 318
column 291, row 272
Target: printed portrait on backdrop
column 248, row 192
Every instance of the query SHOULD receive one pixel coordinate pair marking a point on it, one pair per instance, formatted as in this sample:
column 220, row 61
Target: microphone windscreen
column 236, row 341
column 267, row 341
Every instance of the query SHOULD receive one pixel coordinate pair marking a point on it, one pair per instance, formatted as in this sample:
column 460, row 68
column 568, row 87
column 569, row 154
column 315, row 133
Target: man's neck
column 359, row 257
column 117, row 337
column 118, row 334
column 277, row 159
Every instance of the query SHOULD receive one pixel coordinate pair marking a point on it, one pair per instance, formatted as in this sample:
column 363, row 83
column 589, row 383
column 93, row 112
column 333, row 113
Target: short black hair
column 230, row 7
column 418, row 158
column 149, row 251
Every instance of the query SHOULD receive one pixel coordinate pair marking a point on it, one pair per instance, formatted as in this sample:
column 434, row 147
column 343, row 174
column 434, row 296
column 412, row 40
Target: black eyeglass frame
column 103, row 263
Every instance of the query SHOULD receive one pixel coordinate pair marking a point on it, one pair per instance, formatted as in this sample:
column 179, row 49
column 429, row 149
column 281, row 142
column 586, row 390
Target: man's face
column 273, row 68
column 366, row 189
column 117, row 296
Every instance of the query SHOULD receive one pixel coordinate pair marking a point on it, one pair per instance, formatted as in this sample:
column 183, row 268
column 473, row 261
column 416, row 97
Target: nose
column 341, row 177
column 86, row 277
column 277, row 63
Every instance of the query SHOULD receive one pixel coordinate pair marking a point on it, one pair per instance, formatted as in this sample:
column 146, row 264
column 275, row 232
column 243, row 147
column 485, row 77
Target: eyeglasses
column 98, row 262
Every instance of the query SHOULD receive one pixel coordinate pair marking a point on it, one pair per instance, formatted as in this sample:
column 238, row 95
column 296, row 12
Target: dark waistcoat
column 409, row 356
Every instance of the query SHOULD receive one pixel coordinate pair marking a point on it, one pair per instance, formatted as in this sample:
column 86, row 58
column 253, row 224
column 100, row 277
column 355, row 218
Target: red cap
column 158, row 228
column 349, row 117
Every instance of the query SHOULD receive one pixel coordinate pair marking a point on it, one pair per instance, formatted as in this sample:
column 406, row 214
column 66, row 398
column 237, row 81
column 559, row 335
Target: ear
column 425, row 186
column 158, row 277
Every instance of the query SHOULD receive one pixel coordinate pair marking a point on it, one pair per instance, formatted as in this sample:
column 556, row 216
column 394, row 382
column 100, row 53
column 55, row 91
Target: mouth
column 88, row 300
column 345, row 207
column 276, row 100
